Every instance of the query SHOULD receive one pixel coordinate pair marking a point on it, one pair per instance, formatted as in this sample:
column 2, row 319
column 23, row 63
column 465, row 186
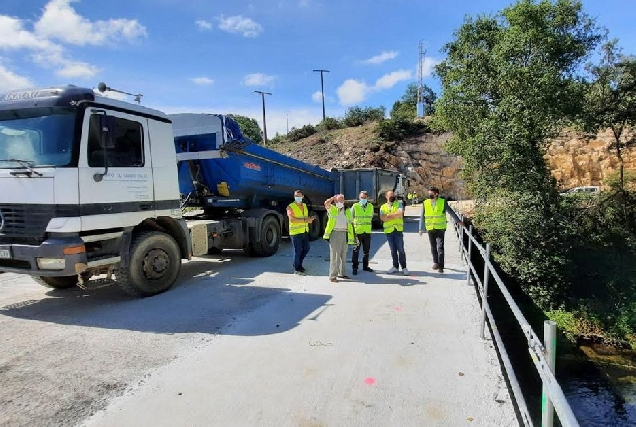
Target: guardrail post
column 549, row 342
column 470, row 251
column 484, row 294
column 460, row 235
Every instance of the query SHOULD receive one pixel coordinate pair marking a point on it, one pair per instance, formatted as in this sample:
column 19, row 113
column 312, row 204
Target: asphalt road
column 243, row 342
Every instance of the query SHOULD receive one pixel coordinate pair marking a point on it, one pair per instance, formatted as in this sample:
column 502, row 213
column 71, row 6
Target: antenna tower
column 420, row 83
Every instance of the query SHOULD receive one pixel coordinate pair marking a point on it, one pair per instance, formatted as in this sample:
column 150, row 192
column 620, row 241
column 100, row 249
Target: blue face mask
column 298, row 199
column 363, row 202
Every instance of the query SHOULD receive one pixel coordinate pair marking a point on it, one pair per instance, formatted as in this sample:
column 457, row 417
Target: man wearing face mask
column 362, row 214
column 433, row 221
column 299, row 221
column 392, row 215
column 339, row 233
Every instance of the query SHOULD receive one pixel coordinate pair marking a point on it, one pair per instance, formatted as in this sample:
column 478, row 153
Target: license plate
column 5, row 253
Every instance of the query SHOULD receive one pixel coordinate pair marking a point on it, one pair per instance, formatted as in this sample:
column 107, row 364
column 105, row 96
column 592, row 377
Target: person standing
column 433, row 221
column 299, row 221
column 362, row 214
column 392, row 215
column 339, row 233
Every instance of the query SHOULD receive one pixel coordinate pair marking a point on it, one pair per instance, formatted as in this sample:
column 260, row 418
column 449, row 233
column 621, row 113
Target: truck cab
column 85, row 181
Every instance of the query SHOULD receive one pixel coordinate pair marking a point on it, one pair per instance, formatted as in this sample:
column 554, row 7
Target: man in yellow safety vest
column 392, row 215
column 299, row 223
column 362, row 214
column 339, row 233
column 433, row 221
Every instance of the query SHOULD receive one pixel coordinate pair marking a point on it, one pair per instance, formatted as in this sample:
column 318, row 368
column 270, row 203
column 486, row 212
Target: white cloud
column 428, row 66
column 61, row 22
column 11, row 81
column 352, row 92
column 317, row 96
column 304, row 3
column 204, row 25
column 14, row 36
column 240, row 25
column 382, row 57
column 258, row 79
column 76, row 69
column 203, row 81
column 387, row 81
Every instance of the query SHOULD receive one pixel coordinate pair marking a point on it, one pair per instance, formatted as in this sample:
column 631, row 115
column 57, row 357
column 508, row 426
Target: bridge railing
column 543, row 356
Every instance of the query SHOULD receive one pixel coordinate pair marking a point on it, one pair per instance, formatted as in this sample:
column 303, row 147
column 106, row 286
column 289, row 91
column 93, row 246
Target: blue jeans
column 396, row 244
column 301, row 249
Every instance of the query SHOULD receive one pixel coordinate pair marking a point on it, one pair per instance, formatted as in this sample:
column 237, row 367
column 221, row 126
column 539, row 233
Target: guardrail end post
column 549, row 342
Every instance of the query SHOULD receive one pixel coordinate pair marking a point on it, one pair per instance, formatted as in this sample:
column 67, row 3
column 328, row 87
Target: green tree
column 511, row 81
column 406, row 107
column 357, row 116
column 611, row 101
column 249, row 127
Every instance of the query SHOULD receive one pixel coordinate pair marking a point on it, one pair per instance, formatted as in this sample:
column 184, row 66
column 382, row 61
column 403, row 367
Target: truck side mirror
column 105, row 141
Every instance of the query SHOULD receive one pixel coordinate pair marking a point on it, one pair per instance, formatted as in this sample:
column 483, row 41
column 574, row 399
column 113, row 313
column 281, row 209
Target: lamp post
column 264, row 124
column 322, row 90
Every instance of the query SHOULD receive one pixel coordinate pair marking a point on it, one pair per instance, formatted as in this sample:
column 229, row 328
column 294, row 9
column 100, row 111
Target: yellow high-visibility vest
column 435, row 217
column 299, row 212
column 362, row 217
column 331, row 224
column 393, row 224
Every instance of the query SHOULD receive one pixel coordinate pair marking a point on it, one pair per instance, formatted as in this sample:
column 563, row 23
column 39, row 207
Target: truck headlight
column 51, row 263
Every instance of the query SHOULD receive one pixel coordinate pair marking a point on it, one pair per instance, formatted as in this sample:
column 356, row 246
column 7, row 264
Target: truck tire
column 269, row 238
column 152, row 265
column 63, row 282
column 315, row 228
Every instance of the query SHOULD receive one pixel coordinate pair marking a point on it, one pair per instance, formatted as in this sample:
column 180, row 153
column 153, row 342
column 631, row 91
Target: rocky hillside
column 575, row 159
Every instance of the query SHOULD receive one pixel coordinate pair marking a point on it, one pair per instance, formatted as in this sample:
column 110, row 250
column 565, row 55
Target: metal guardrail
column 543, row 356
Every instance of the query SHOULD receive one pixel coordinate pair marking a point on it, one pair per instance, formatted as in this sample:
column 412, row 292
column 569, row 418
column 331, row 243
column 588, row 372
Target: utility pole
column 264, row 124
column 287, row 115
column 322, row 90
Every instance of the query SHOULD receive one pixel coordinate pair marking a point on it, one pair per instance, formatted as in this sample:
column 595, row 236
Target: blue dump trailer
column 227, row 177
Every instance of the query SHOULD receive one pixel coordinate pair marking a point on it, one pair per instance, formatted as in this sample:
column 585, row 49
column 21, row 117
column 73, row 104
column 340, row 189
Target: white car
column 584, row 189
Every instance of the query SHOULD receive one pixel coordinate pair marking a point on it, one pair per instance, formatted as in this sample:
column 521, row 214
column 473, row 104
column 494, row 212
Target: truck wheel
column 315, row 228
column 270, row 238
column 152, row 265
column 63, row 282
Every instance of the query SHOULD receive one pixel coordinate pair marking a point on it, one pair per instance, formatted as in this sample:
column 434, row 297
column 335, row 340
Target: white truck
column 89, row 186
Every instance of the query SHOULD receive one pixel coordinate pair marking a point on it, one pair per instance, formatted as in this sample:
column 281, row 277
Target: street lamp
column 322, row 90
column 264, row 124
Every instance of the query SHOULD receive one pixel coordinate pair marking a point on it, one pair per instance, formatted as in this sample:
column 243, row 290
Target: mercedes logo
column 1, row 221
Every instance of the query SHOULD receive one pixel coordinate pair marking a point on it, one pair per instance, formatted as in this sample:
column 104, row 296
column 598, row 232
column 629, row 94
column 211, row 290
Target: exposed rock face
column 576, row 159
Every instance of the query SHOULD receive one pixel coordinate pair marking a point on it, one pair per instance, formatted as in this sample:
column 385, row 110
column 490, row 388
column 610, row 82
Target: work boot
column 355, row 271
column 367, row 268
column 435, row 266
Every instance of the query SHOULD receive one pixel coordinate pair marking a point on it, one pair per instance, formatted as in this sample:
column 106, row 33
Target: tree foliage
column 408, row 102
column 357, row 116
column 249, row 127
column 611, row 100
column 510, row 82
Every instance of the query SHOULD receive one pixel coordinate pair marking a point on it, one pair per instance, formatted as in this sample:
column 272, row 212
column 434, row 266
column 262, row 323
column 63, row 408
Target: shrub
column 303, row 132
column 357, row 116
column 329, row 124
column 398, row 129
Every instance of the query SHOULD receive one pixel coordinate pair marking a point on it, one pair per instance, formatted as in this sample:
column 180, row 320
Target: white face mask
column 340, row 205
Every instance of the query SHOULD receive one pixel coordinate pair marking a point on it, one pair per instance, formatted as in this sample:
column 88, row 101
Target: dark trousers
column 436, row 239
column 301, row 249
column 396, row 244
column 364, row 240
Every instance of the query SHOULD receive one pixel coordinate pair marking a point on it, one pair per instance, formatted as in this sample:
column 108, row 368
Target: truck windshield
column 36, row 137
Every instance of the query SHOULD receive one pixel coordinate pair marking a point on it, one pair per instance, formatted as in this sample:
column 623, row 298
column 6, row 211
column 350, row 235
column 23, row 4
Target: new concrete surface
column 242, row 342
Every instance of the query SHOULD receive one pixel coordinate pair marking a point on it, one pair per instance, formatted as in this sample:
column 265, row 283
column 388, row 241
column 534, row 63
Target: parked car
column 583, row 189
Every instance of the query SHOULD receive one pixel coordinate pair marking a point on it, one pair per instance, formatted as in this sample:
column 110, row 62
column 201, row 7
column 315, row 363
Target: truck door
column 115, row 172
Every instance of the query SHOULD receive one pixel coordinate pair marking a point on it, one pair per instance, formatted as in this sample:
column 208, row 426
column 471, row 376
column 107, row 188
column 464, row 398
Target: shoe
column 392, row 270
column 441, row 270
column 405, row 271
column 333, row 279
column 344, row 277
column 435, row 266
column 355, row 271
column 367, row 269
column 299, row 273
column 302, row 269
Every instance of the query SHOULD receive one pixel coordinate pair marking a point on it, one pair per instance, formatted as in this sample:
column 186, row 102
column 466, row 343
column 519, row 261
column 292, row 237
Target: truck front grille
column 27, row 223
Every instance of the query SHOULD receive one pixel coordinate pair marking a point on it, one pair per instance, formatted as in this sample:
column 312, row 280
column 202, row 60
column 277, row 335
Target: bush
column 398, row 129
column 329, row 124
column 357, row 116
column 303, row 132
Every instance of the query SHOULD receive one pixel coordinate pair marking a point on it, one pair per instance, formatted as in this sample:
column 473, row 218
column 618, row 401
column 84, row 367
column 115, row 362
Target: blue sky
column 209, row 56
